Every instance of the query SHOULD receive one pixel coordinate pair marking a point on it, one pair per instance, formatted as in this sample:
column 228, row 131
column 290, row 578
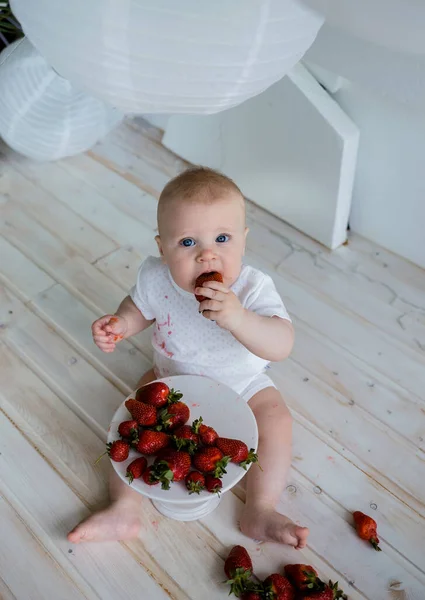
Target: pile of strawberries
column 159, row 427
column 300, row 582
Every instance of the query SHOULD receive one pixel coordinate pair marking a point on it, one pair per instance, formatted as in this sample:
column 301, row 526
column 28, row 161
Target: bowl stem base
column 193, row 512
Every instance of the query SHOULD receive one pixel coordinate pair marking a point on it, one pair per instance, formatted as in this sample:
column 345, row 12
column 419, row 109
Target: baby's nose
column 206, row 254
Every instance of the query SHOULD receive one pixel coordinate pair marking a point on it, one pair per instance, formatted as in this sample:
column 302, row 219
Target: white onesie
column 185, row 342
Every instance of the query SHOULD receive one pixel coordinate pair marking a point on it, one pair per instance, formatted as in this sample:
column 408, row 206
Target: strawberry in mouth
column 203, row 278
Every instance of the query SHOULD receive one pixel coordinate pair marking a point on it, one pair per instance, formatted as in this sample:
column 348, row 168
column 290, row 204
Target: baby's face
column 198, row 238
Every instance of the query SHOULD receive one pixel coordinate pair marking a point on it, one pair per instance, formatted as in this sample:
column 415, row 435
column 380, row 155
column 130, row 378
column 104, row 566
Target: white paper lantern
column 170, row 56
column 41, row 114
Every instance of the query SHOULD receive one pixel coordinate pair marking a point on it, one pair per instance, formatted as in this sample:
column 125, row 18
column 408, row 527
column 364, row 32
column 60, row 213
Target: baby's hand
column 108, row 331
column 221, row 305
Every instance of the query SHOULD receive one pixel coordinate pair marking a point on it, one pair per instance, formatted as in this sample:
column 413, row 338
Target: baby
column 230, row 336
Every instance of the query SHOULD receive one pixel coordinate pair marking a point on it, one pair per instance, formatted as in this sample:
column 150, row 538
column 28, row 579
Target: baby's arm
column 127, row 321
column 271, row 338
column 135, row 321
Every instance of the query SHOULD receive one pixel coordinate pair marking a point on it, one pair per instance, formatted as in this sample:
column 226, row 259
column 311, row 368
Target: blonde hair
column 197, row 184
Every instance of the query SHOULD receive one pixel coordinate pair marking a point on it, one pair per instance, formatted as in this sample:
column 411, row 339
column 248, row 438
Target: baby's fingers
column 210, row 305
column 102, row 338
column 106, row 346
column 210, row 293
column 112, row 325
column 215, row 285
column 99, row 325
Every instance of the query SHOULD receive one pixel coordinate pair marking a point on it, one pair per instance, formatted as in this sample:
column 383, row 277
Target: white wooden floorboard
column 94, row 208
column 51, row 508
column 54, row 429
column 21, row 552
column 178, row 547
column 377, row 271
column 22, row 275
column 85, row 239
column 72, row 235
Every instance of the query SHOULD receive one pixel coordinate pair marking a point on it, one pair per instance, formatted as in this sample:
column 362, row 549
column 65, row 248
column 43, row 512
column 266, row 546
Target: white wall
column 391, row 24
column 389, row 71
column 291, row 149
column 379, row 46
column 388, row 203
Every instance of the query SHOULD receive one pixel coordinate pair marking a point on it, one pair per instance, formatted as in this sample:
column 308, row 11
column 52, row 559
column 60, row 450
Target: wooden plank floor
column 72, row 235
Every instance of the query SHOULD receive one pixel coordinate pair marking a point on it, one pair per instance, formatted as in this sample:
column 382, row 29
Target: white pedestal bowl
column 221, row 408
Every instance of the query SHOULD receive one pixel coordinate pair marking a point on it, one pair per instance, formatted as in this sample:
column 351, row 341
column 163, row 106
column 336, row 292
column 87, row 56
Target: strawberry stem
column 98, row 459
column 108, row 449
column 337, row 593
column 312, row 582
column 239, row 583
column 220, row 467
column 195, row 487
column 174, row 396
column 196, row 424
column 375, row 542
column 185, row 444
column 164, row 417
column 251, row 458
column 162, row 472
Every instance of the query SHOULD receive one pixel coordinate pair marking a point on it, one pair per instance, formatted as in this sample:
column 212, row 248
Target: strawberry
column 157, row 394
column 304, row 577
column 149, row 477
column 203, row 278
column 128, row 430
column 195, row 482
column 329, row 592
column 136, row 468
column 117, row 451
column 238, row 569
column 210, row 460
column 251, row 595
column 186, row 439
column 213, row 484
column 174, row 415
column 151, row 442
column 165, row 453
column 207, row 434
column 143, row 413
column 366, row 528
column 237, row 450
column 278, row 587
column 171, row 466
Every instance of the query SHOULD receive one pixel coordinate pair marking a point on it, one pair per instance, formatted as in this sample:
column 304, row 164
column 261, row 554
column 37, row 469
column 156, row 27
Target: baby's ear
column 158, row 241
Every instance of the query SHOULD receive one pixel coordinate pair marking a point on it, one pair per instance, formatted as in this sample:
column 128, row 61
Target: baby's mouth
column 208, row 276
column 207, row 273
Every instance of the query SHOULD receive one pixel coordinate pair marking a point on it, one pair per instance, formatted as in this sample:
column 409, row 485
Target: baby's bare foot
column 270, row 526
column 116, row 522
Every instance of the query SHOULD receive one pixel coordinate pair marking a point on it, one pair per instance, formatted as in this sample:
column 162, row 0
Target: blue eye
column 222, row 238
column 187, row 242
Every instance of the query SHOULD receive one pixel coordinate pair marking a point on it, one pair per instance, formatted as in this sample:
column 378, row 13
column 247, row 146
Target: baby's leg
column 122, row 518
column 259, row 519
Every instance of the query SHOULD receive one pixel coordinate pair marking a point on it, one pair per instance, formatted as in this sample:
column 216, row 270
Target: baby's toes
column 301, row 533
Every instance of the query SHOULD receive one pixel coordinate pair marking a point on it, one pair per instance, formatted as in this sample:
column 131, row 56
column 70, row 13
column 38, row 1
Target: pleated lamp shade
column 170, row 56
column 42, row 115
